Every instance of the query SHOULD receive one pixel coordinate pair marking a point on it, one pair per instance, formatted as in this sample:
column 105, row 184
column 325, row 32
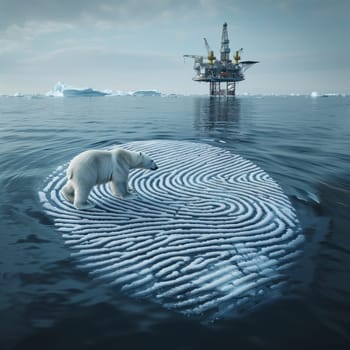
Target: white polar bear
column 96, row 167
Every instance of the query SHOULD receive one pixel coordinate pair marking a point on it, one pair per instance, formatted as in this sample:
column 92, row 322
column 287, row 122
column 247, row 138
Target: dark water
column 47, row 302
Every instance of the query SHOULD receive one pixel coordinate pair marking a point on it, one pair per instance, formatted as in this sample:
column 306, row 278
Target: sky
column 302, row 45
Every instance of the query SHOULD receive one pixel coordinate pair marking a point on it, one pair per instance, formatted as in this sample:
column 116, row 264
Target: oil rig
column 210, row 70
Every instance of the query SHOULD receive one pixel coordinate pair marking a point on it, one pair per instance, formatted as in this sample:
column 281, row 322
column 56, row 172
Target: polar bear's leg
column 129, row 195
column 131, row 190
column 81, row 196
column 68, row 191
column 120, row 189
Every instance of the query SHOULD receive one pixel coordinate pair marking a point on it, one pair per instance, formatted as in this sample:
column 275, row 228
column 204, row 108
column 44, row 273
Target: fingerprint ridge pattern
column 209, row 232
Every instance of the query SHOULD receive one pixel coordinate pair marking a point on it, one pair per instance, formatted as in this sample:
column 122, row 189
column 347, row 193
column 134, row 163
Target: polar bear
column 94, row 167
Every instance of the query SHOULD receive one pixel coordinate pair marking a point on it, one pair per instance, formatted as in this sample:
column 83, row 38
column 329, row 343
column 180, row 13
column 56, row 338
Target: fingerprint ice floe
column 209, row 232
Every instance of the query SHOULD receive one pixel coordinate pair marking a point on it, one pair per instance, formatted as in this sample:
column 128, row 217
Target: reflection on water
column 213, row 112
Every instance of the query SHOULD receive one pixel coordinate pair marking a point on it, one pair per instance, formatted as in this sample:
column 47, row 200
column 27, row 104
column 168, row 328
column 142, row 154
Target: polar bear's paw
column 67, row 196
column 130, row 196
column 131, row 190
column 85, row 205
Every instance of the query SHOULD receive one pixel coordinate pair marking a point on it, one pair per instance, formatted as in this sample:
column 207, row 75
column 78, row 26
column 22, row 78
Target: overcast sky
column 302, row 45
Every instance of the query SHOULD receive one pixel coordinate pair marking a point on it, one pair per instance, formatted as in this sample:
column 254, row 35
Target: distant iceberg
column 315, row 94
column 83, row 92
column 146, row 93
column 18, row 94
column 62, row 90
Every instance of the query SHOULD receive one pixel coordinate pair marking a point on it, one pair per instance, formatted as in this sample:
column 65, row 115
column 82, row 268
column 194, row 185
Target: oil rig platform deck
column 222, row 75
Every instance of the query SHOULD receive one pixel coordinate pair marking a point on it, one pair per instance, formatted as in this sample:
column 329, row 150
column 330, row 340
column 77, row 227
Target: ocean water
column 48, row 302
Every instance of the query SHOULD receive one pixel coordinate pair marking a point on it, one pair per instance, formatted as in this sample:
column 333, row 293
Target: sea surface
column 48, row 302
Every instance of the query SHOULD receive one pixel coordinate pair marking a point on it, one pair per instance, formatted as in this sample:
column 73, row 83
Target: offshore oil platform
column 210, row 70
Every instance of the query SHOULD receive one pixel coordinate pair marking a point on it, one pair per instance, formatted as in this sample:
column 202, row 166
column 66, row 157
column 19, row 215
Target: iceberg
column 146, row 93
column 83, row 92
column 63, row 90
column 326, row 94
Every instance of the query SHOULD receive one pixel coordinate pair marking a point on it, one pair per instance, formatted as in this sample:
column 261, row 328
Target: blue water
column 48, row 302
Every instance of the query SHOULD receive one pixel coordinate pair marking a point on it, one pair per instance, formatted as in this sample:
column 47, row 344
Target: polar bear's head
column 147, row 162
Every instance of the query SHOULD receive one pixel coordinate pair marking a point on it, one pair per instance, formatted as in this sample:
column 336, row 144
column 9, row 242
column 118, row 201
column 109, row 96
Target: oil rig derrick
column 222, row 75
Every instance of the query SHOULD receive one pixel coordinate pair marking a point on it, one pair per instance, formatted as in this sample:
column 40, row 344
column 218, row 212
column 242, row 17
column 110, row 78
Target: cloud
column 18, row 12
column 104, row 41
column 24, row 24
column 119, row 14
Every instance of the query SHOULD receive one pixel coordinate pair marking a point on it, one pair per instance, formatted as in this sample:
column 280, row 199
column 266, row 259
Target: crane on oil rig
column 220, row 71
column 211, row 57
column 237, row 56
